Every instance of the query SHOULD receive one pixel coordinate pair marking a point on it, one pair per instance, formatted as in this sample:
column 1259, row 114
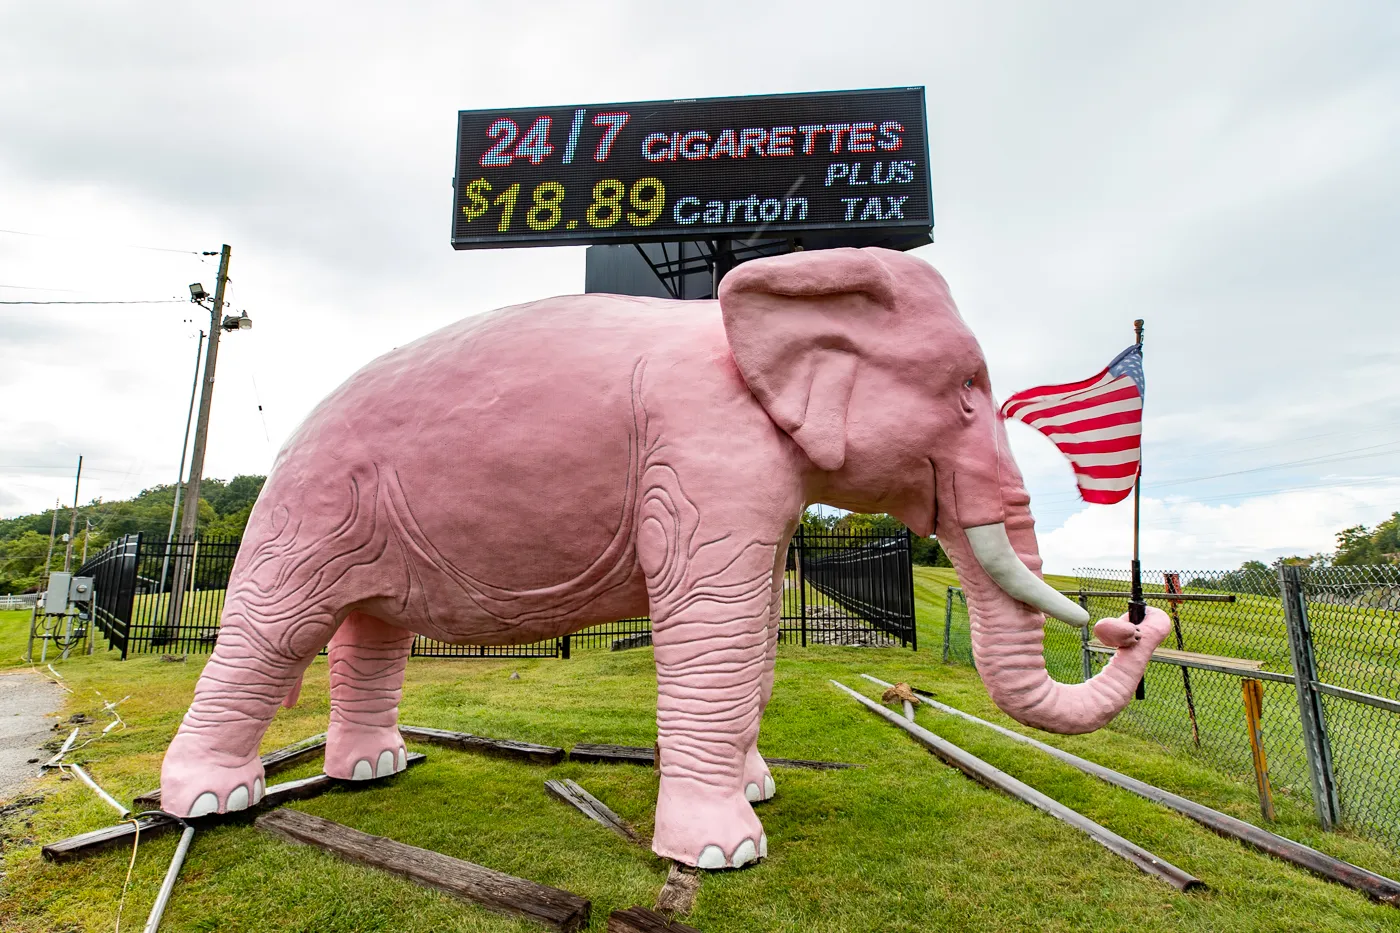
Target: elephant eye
column 968, row 383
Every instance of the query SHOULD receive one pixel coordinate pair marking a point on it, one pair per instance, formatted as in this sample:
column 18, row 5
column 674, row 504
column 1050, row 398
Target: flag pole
column 1137, row 606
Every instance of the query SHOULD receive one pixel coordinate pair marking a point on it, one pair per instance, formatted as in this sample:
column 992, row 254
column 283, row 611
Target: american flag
column 1096, row 423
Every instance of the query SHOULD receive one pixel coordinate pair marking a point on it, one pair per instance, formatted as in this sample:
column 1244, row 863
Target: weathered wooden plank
column 593, row 808
column 677, row 896
column 105, row 838
column 494, row 890
column 591, row 753
column 273, row 761
column 612, row 754
column 499, row 748
column 276, row 795
column 641, row 920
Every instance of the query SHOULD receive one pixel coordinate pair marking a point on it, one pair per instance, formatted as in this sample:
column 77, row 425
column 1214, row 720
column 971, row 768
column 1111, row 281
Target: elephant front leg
column 710, row 637
column 758, row 779
column 367, row 661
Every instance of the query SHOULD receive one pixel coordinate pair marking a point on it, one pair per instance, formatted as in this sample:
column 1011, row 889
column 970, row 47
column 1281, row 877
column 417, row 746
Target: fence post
column 913, row 616
column 1254, row 722
column 801, row 584
column 947, row 624
column 1310, row 711
column 564, row 647
column 1086, row 660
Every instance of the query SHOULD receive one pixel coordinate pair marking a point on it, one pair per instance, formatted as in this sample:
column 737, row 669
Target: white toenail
column 746, row 853
column 403, row 759
column 769, row 788
column 763, row 846
column 752, row 793
column 385, row 766
column 237, row 798
column 204, row 803
column 362, row 772
column 711, row 857
column 257, row 790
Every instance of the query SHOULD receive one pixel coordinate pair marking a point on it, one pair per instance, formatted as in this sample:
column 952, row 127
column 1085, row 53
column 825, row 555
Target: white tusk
column 993, row 551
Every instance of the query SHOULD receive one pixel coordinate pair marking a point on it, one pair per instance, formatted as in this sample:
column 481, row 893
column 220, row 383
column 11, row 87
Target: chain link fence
column 1329, row 738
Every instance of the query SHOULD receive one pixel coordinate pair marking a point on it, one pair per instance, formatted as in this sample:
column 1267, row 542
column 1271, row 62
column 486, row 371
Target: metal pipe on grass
column 1376, row 886
column 168, row 885
column 991, row 777
column 83, row 775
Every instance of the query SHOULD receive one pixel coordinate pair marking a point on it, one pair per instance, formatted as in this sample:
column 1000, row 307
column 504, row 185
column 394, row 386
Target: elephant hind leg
column 212, row 765
column 367, row 661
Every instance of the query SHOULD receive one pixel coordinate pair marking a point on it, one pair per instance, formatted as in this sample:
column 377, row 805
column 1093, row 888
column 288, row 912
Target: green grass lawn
column 902, row 844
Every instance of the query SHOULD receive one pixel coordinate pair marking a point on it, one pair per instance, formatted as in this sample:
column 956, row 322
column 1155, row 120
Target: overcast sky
column 1227, row 171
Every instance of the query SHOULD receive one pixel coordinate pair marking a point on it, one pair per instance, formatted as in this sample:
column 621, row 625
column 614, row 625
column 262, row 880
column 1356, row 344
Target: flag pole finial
column 1137, row 330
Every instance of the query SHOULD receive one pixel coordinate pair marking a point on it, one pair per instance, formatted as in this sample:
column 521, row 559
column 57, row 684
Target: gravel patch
column 28, row 703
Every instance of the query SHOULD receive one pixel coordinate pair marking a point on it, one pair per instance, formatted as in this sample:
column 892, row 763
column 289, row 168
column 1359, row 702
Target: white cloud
column 1186, row 535
column 1225, row 172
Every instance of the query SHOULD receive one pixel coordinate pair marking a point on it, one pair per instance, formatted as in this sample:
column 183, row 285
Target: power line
column 38, row 288
column 153, row 301
column 52, row 236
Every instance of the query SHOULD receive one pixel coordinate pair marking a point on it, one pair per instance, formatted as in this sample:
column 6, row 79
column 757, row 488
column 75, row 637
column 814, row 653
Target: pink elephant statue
column 668, row 448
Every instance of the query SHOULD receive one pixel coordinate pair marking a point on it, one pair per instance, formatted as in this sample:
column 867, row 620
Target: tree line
column 224, row 506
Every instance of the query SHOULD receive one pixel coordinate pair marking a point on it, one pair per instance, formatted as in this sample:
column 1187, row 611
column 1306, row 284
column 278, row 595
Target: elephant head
column 861, row 357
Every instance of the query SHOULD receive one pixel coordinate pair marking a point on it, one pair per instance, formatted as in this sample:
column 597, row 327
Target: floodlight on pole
column 197, row 293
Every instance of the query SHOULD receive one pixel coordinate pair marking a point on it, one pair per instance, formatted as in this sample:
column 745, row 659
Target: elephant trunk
column 990, row 535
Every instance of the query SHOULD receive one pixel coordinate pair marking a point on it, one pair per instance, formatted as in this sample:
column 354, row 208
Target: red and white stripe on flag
column 1096, row 423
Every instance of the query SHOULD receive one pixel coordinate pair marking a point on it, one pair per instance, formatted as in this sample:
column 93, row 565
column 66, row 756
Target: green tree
column 1361, row 545
column 22, row 562
column 237, row 495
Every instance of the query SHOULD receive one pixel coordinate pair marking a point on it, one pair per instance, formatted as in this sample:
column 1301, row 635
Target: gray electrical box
column 80, row 591
column 56, row 598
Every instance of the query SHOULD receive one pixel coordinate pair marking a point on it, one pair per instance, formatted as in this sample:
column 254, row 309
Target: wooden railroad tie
column 641, row 920
column 636, row 755
column 593, row 808
column 506, row 894
column 278, row 794
column 497, row 748
column 677, row 895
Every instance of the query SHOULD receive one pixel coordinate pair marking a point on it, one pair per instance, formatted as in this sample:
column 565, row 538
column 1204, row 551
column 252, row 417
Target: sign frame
column 860, row 232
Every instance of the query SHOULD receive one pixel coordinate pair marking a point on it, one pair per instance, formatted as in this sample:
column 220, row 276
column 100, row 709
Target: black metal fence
column 838, row 589
column 849, row 589
column 114, row 588
column 1320, row 647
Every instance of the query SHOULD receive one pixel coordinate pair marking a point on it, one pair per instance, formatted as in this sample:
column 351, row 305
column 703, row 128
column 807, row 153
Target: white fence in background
column 23, row 601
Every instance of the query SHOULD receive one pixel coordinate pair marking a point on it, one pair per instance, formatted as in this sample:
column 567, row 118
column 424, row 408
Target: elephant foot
column 707, row 832
column 758, row 780
column 195, row 781
column 362, row 753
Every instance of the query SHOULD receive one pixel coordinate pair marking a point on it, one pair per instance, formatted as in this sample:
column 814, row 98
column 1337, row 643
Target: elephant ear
column 794, row 324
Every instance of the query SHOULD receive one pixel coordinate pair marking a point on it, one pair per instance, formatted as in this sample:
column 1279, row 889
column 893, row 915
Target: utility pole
column 189, row 520
column 180, row 477
column 87, row 533
column 73, row 519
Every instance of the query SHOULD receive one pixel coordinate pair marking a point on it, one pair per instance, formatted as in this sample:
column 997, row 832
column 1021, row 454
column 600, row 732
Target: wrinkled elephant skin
column 524, row 474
